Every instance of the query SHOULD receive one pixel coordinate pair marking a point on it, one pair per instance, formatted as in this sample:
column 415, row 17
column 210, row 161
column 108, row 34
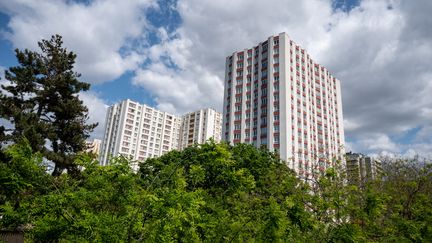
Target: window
column 237, row 126
column 238, row 98
column 236, row 135
column 237, row 108
column 276, row 139
column 240, row 65
column 276, row 128
column 276, row 60
column 276, row 117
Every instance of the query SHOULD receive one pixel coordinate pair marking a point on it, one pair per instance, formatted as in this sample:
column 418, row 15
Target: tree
column 211, row 193
column 43, row 105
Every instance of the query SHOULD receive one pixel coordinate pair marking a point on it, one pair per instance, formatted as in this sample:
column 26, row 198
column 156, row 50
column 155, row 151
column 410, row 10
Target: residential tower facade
column 362, row 168
column 138, row 131
column 276, row 96
column 200, row 126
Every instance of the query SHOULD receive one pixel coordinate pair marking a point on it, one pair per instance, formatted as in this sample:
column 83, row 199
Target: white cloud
column 380, row 51
column 97, row 112
column 96, row 32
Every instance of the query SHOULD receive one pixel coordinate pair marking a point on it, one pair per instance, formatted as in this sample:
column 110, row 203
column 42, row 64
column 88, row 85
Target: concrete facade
column 200, row 126
column 362, row 168
column 94, row 146
column 138, row 132
column 276, row 96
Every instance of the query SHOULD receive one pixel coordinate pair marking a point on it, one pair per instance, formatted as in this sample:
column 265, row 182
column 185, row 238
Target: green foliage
column 211, row 193
column 42, row 103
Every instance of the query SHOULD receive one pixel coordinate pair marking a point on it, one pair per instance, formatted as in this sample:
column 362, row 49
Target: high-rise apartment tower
column 278, row 97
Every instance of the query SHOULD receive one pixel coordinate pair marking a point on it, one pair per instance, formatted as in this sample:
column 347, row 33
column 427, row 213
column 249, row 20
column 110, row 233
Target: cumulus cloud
column 190, row 60
column 380, row 50
column 100, row 32
column 97, row 112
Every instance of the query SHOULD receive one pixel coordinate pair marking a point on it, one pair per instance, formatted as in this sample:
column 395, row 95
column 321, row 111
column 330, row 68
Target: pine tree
column 43, row 105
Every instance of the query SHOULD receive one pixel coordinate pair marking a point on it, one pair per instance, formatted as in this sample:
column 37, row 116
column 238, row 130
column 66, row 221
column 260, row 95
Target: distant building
column 362, row 168
column 138, row 131
column 278, row 97
column 200, row 126
column 93, row 146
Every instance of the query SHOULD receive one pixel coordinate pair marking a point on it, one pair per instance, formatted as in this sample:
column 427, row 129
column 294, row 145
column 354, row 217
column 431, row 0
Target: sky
column 170, row 54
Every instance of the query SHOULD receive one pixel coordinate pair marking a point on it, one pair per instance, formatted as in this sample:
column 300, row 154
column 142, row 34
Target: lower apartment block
column 138, row 131
column 200, row 126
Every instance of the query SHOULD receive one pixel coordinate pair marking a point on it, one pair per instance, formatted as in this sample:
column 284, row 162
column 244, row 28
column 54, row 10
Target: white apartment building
column 93, row 146
column 278, row 97
column 200, row 126
column 362, row 168
column 138, row 132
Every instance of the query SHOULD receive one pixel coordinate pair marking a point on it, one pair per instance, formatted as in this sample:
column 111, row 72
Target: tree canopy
column 210, row 192
column 42, row 103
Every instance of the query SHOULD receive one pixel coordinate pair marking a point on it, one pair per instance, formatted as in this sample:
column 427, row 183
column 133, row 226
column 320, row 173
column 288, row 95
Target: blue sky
column 170, row 54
